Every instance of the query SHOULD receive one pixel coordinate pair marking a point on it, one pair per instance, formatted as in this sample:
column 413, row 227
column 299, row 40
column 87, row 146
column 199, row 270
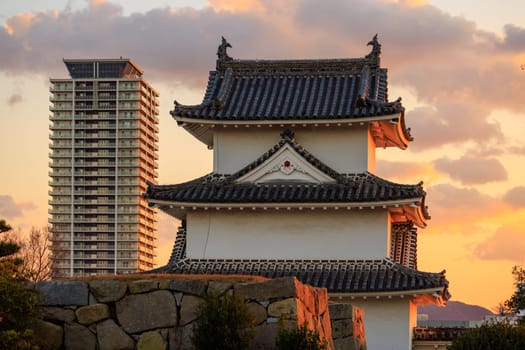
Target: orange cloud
column 254, row 6
column 20, row 24
column 505, row 244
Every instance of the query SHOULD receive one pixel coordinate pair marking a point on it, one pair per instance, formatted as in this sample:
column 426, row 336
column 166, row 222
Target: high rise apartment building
column 104, row 136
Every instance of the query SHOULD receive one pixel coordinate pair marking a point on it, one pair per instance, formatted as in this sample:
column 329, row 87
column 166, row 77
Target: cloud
column 452, row 206
column 470, row 170
column 410, row 172
column 506, row 244
column 167, row 231
column 451, row 123
column 10, row 210
column 456, row 69
column 514, row 38
column 14, row 99
column 516, row 197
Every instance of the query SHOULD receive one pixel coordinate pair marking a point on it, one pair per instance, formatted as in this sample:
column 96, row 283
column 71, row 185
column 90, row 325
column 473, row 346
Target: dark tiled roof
column 338, row 276
column 347, row 188
column 217, row 188
column 294, row 89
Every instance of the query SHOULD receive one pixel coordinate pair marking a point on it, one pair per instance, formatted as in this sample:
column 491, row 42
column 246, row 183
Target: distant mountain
column 454, row 311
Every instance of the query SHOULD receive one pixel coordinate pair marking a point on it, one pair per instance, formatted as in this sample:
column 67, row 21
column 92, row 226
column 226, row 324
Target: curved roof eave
column 393, row 134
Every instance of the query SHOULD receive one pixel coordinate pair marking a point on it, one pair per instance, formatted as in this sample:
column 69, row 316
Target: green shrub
column 499, row 336
column 299, row 338
column 223, row 323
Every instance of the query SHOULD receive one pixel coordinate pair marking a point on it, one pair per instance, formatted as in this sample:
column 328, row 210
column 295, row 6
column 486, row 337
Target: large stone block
column 48, row 336
column 265, row 336
column 342, row 328
column 285, row 287
column 143, row 286
column 78, row 337
column 106, row 291
column 341, row 311
column 111, row 337
column 151, row 341
column 180, row 338
column 55, row 293
column 142, row 312
column 218, row 288
column 188, row 309
column 55, row 313
column 195, row 287
column 258, row 312
column 87, row 315
column 283, row 309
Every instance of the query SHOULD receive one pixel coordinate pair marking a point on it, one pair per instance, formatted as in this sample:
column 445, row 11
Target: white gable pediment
column 286, row 165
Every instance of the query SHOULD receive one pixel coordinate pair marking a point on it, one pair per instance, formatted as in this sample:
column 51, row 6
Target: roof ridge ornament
column 288, row 135
column 222, row 54
column 376, row 48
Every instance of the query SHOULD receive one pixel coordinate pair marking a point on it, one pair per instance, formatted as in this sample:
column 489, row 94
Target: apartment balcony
column 93, row 247
column 60, row 237
column 97, row 201
column 61, row 88
column 56, row 98
column 93, row 237
column 107, row 96
column 54, row 117
column 100, row 144
column 94, row 256
column 98, row 154
column 95, row 126
column 60, row 144
column 61, row 265
column 127, row 256
column 95, row 116
column 129, row 97
column 97, row 220
column 60, row 219
column 81, row 106
column 58, row 246
column 97, row 182
column 67, row 107
column 94, row 135
column 92, row 265
column 56, row 154
column 84, row 86
column 126, row 86
column 60, row 135
column 97, row 172
column 60, row 164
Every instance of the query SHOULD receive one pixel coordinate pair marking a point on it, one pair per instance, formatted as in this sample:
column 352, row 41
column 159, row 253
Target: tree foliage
column 497, row 336
column 17, row 303
column 223, row 323
column 299, row 338
column 517, row 301
column 34, row 253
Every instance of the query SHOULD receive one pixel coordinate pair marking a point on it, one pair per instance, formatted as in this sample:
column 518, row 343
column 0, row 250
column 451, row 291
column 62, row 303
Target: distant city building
column 104, row 136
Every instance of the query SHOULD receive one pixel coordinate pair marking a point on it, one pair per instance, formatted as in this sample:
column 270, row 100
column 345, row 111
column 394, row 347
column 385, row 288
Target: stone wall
column 348, row 327
column 157, row 312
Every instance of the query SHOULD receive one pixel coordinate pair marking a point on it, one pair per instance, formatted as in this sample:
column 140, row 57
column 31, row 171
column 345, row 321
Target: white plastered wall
column 388, row 322
column 345, row 149
column 283, row 234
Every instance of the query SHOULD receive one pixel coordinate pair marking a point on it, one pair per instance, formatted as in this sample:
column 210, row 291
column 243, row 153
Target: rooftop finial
column 376, row 48
column 221, row 51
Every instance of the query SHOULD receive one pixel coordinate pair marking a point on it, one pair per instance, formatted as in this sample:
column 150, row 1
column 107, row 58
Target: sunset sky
column 456, row 64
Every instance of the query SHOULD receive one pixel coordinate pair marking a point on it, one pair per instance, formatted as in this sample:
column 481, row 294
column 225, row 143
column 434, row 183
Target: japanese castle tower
column 293, row 190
